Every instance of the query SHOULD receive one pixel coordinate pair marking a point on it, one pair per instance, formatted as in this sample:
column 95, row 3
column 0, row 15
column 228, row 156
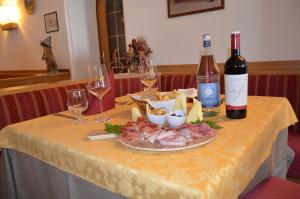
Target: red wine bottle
column 236, row 81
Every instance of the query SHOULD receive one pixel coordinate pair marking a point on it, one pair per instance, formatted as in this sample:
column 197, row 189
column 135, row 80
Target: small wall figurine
column 48, row 56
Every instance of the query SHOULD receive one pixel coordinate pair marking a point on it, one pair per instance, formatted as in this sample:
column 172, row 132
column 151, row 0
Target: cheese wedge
column 183, row 102
column 195, row 113
column 180, row 103
column 135, row 114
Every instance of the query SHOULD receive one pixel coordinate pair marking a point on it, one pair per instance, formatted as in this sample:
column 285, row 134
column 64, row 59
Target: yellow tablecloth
column 221, row 169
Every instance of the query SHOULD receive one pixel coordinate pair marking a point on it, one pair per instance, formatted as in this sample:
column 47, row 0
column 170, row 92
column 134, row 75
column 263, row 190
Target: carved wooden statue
column 48, row 56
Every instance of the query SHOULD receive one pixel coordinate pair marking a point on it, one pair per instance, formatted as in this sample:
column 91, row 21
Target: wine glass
column 149, row 76
column 99, row 85
column 77, row 103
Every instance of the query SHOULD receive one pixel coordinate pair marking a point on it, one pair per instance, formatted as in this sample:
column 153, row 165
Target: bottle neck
column 207, row 51
column 235, row 44
column 235, row 52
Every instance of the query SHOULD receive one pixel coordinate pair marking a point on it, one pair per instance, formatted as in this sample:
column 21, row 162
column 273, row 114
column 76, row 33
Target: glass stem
column 100, row 103
column 79, row 117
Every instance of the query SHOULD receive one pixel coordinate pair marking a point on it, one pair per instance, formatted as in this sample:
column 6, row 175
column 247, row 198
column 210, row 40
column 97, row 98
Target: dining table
column 50, row 157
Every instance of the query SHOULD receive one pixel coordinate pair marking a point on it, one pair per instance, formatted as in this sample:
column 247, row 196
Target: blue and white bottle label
column 209, row 94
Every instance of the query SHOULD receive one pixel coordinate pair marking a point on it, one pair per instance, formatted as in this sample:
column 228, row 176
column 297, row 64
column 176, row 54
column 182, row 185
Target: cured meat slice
column 179, row 141
column 153, row 133
column 167, row 134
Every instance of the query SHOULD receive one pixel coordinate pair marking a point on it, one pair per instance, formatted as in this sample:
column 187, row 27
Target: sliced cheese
column 135, row 114
column 199, row 108
column 196, row 112
column 177, row 104
column 183, row 102
column 180, row 103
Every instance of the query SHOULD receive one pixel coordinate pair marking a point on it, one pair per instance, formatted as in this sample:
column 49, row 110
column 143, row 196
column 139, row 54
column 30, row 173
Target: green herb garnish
column 210, row 123
column 113, row 128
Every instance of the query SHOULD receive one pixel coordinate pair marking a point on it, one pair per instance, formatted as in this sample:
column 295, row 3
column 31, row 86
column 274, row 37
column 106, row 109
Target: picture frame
column 187, row 7
column 51, row 22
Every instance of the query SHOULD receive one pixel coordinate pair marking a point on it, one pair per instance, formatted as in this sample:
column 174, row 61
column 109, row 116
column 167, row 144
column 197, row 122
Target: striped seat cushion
column 127, row 85
column 24, row 106
column 131, row 85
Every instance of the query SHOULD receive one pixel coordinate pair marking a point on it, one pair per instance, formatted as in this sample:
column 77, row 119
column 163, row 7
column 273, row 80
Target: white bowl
column 157, row 119
column 175, row 121
column 164, row 104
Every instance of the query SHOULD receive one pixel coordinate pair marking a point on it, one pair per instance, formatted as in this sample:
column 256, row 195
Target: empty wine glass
column 99, row 85
column 77, row 103
column 149, row 76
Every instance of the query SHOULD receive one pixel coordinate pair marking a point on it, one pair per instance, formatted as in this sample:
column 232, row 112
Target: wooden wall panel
column 30, row 77
column 24, row 73
column 265, row 67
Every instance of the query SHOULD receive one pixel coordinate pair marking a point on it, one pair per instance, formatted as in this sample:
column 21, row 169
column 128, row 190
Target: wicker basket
column 141, row 104
column 165, row 104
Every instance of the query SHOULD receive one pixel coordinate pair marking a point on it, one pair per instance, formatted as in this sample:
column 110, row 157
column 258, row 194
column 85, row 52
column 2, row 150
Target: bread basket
column 166, row 104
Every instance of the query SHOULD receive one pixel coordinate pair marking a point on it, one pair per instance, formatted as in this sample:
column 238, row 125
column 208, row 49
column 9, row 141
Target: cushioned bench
column 28, row 105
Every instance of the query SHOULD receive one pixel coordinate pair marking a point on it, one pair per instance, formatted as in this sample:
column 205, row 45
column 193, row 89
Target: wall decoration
column 187, row 7
column 48, row 56
column 51, row 22
column 29, row 6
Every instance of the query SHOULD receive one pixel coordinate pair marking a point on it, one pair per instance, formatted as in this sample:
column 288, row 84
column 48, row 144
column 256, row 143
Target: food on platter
column 156, row 116
column 113, row 128
column 166, row 104
column 167, row 95
column 135, row 114
column 175, row 115
column 188, row 92
column 158, row 111
column 145, row 134
column 196, row 112
column 180, row 103
column 153, row 101
column 176, row 118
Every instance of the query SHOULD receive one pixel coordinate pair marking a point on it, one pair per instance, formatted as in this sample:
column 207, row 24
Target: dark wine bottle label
column 236, row 91
column 209, row 94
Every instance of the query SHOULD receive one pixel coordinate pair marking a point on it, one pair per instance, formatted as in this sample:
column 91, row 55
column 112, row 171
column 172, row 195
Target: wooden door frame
column 102, row 31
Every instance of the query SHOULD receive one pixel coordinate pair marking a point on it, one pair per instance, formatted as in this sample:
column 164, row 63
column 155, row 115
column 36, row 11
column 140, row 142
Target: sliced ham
column 200, row 131
column 179, row 141
column 187, row 134
column 149, row 130
column 167, row 134
column 131, row 136
column 178, row 136
column 153, row 137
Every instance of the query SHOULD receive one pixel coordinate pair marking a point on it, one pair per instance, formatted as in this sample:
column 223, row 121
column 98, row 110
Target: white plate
column 146, row 146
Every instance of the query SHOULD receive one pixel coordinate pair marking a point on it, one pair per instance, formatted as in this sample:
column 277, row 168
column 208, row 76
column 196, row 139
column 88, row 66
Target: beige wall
column 75, row 45
column 20, row 49
column 270, row 30
column 82, row 36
